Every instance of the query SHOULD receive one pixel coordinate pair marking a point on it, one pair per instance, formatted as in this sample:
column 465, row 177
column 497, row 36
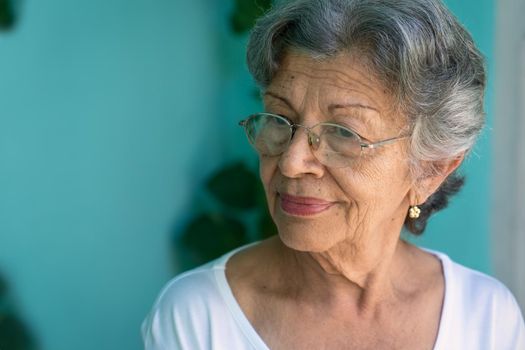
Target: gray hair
column 417, row 48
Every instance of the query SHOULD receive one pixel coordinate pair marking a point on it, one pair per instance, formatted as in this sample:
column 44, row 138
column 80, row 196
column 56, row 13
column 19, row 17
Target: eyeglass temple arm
column 381, row 143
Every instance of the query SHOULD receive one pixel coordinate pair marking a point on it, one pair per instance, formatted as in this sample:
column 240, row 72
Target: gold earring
column 414, row 212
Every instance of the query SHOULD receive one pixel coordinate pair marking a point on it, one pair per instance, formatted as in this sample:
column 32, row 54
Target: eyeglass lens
column 332, row 144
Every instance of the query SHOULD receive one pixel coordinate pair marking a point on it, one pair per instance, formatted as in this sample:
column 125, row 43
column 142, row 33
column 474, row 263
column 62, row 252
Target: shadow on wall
column 14, row 335
column 233, row 215
column 7, row 14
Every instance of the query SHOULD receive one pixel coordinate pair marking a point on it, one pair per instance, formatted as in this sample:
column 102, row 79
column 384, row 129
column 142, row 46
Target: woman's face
column 317, row 208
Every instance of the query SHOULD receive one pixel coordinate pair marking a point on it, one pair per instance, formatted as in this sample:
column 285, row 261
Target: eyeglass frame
column 295, row 126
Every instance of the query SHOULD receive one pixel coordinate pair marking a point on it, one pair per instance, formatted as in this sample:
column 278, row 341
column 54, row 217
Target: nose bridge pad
column 294, row 130
column 313, row 139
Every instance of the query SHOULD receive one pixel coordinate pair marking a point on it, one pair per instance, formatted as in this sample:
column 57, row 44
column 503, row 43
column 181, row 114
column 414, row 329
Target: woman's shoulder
column 478, row 308
column 470, row 287
column 190, row 307
column 193, row 286
column 186, row 297
column 481, row 294
column 470, row 283
column 194, row 282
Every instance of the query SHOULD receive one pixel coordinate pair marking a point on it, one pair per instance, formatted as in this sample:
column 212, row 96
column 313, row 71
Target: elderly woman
column 370, row 107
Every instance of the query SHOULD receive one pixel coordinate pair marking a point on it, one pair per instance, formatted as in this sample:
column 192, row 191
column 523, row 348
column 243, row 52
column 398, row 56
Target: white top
column 197, row 310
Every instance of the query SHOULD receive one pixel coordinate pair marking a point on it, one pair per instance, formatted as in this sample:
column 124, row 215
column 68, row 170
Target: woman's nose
column 298, row 159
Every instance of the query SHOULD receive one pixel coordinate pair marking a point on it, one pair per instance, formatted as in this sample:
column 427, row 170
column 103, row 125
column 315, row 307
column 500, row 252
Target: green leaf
column 3, row 287
column 235, row 186
column 246, row 13
column 14, row 334
column 212, row 235
column 265, row 226
column 7, row 16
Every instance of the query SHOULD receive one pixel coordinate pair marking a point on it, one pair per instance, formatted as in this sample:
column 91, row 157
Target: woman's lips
column 303, row 206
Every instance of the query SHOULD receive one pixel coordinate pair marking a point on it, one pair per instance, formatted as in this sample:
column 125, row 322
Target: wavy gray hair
column 417, row 48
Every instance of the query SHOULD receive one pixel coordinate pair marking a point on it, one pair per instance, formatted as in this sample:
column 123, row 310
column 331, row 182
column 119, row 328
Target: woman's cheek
column 267, row 167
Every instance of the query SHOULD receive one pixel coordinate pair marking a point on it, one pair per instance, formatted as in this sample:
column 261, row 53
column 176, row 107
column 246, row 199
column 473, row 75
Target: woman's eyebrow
column 360, row 112
column 331, row 107
column 335, row 106
column 284, row 99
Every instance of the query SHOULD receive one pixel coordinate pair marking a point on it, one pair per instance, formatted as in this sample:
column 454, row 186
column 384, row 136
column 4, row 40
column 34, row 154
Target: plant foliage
column 14, row 335
column 7, row 16
column 239, row 216
column 235, row 186
column 246, row 13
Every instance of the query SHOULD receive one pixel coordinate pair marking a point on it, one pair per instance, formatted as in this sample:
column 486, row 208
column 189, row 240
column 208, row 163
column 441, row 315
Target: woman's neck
column 346, row 275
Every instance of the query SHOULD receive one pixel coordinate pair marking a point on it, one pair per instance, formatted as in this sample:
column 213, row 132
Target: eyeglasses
column 333, row 145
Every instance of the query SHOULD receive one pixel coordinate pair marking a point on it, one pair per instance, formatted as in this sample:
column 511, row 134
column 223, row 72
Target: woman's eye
column 345, row 133
column 340, row 132
column 279, row 121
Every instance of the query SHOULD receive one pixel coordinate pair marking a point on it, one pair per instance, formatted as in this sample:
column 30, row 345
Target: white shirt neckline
column 255, row 339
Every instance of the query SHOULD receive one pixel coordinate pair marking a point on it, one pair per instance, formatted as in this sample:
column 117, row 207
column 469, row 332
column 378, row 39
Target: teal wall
column 112, row 113
column 108, row 122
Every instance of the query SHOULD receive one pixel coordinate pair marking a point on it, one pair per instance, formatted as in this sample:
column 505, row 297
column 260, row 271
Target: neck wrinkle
column 337, row 282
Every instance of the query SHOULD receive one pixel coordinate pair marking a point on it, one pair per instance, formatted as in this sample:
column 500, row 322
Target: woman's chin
column 305, row 240
column 311, row 233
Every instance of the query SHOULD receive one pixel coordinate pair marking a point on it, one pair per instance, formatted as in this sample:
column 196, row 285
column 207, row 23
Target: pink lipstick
column 303, row 206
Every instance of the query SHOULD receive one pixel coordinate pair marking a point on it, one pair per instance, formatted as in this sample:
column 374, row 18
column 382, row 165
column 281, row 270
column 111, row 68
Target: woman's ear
column 428, row 183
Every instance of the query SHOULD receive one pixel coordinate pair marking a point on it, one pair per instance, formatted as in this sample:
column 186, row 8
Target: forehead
column 344, row 80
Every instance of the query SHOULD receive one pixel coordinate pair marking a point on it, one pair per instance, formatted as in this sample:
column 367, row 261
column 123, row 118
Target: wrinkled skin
column 372, row 195
column 340, row 278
